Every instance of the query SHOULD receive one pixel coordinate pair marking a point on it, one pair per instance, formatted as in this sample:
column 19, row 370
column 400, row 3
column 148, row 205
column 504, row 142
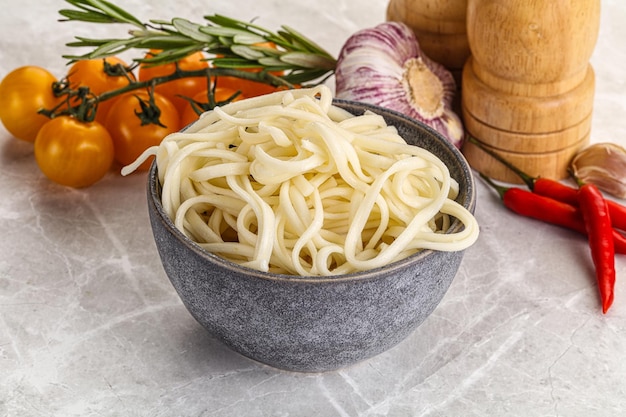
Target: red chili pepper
column 548, row 210
column 566, row 194
column 555, row 189
column 591, row 218
column 597, row 218
column 619, row 242
column 542, row 208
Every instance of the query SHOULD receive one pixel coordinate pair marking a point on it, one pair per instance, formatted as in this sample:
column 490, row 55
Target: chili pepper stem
column 500, row 189
column 528, row 180
column 578, row 181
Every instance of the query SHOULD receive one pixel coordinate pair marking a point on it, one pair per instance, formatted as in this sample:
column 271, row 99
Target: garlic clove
column 602, row 164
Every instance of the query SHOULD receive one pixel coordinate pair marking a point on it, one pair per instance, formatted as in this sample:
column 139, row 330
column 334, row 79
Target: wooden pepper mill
column 528, row 87
column 440, row 28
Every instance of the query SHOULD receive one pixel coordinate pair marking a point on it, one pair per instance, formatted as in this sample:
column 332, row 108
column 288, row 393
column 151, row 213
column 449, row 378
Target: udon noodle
column 290, row 183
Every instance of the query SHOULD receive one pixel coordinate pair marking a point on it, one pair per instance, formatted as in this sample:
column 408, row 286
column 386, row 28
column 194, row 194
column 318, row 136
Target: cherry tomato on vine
column 130, row 137
column 185, row 87
column 73, row 153
column 91, row 73
column 23, row 92
column 220, row 94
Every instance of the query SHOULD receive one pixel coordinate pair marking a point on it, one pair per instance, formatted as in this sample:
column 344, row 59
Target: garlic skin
column 385, row 66
column 602, row 164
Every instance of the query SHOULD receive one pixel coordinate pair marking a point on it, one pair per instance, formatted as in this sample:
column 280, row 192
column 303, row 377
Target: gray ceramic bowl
column 313, row 324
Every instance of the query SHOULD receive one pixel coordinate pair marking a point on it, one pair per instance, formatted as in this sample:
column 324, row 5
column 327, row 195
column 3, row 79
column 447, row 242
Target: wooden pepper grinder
column 440, row 28
column 528, row 87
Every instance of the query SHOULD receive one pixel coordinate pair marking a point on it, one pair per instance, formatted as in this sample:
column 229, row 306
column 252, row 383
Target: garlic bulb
column 602, row 164
column 384, row 66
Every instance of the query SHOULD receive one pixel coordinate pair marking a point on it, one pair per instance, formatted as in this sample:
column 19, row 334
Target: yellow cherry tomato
column 130, row 137
column 176, row 90
column 23, row 92
column 91, row 73
column 73, row 153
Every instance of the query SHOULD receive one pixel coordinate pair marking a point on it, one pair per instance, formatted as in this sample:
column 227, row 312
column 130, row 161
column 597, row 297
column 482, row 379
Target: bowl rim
column 154, row 188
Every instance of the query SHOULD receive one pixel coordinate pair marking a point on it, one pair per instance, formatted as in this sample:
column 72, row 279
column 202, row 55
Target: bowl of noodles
column 309, row 233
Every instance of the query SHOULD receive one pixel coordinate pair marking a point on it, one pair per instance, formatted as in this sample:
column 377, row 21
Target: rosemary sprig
column 228, row 42
column 232, row 45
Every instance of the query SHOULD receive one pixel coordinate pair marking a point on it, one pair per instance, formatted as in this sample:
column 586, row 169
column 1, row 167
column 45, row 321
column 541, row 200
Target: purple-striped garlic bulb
column 385, row 66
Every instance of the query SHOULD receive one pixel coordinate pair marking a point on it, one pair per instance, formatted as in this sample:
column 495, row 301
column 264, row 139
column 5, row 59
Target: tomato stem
column 201, row 107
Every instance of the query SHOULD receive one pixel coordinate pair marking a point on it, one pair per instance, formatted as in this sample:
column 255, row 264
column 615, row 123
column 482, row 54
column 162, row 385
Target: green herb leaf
column 306, row 43
column 168, row 55
column 167, row 42
column 246, row 52
column 308, row 60
column 272, row 62
column 223, row 31
column 248, row 39
column 82, row 42
column 91, row 17
column 191, row 30
column 303, row 77
column 234, row 63
column 95, row 8
column 112, row 48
